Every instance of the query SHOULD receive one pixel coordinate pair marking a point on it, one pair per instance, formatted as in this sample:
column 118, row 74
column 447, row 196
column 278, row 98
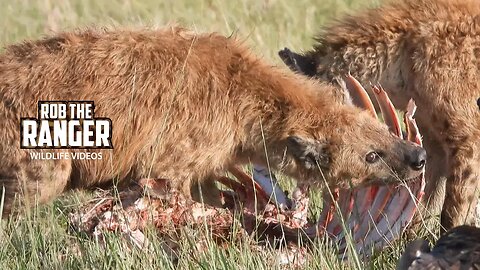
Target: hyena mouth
column 372, row 215
column 412, row 179
column 394, row 180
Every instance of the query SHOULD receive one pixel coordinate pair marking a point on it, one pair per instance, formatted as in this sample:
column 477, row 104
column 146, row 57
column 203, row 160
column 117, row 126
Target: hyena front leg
column 435, row 175
column 462, row 185
column 206, row 191
column 199, row 189
column 26, row 182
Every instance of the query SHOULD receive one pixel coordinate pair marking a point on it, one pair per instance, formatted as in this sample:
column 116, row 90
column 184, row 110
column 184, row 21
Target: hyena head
column 356, row 150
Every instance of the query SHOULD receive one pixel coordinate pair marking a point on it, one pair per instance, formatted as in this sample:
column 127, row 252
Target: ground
column 42, row 239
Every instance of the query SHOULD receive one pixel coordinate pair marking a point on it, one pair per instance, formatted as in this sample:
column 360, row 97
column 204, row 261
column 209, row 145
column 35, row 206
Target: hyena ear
column 297, row 62
column 308, row 152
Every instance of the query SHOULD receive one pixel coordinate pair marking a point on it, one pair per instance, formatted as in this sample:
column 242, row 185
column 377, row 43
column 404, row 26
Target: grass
column 41, row 240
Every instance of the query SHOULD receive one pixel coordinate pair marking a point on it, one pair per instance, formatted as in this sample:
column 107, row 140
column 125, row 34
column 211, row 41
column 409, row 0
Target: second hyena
column 428, row 50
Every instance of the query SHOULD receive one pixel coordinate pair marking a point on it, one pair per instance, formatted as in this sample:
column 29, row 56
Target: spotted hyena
column 185, row 107
column 428, row 50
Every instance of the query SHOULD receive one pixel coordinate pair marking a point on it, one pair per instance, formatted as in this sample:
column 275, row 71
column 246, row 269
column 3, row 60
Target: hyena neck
column 291, row 105
column 369, row 46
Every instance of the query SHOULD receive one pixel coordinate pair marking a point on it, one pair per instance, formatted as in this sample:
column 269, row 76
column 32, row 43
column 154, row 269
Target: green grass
column 42, row 240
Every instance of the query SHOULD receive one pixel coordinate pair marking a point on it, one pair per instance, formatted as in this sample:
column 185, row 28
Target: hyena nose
column 418, row 158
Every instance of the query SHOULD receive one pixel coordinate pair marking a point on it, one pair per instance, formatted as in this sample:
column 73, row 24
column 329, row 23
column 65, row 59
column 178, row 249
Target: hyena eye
column 372, row 157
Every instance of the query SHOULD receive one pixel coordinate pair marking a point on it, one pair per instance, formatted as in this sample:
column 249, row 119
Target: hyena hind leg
column 32, row 182
column 436, row 176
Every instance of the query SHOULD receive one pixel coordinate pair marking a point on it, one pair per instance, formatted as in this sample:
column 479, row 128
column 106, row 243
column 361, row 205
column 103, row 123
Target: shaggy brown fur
column 184, row 107
column 428, row 50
